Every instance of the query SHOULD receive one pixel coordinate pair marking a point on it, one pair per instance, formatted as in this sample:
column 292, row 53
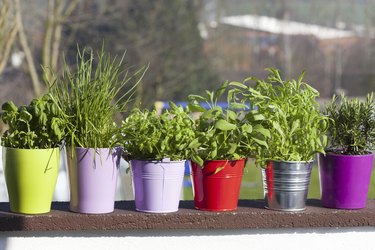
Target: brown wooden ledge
column 249, row 215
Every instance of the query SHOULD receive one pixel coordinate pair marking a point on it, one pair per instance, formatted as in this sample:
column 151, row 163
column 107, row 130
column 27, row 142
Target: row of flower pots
column 276, row 122
column 31, row 177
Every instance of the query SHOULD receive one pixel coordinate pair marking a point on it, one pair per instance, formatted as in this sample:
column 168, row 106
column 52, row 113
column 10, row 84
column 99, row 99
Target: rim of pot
column 46, row 149
column 289, row 161
column 157, row 161
column 221, row 160
column 343, row 155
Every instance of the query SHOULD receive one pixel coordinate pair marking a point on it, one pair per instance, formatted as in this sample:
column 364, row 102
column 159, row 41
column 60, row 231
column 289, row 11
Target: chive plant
column 90, row 96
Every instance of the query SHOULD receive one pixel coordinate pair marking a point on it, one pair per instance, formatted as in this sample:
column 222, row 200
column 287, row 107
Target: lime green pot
column 30, row 176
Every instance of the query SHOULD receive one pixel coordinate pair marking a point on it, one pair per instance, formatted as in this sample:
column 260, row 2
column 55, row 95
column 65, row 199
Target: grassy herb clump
column 229, row 133
column 352, row 125
column 148, row 136
column 39, row 125
column 292, row 115
column 99, row 89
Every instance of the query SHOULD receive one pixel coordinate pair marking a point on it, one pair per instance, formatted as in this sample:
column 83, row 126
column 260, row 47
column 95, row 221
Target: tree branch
column 46, row 56
column 8, row 45
column 71, row 7
column 8, row 31
column 26, row 49
column 55, row 46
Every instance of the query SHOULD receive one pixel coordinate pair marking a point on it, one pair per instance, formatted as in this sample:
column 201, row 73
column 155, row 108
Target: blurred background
column 192, row 45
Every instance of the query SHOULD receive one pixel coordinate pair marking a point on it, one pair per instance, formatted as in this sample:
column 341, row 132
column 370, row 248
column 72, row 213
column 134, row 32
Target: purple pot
column 344, row 180
column 93, row 179
column 157, row 185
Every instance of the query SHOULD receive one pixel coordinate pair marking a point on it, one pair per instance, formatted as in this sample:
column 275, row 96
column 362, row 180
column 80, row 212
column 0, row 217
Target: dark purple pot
column 344, row 180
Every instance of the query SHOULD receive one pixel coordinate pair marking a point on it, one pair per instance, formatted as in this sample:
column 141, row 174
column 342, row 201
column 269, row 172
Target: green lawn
column 252, row 184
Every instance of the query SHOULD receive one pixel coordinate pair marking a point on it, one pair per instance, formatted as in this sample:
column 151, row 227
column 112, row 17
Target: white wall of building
column 289, row 239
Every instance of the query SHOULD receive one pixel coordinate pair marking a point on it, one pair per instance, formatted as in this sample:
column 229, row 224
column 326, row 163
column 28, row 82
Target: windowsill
column 249, row 215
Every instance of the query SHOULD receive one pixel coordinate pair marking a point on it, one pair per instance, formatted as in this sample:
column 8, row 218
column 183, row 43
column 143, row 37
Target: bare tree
column 58, row 11
column 8, row 31
column 26, row 49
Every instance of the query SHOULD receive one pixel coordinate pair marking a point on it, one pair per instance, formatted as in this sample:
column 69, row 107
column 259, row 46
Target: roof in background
column 278, row 26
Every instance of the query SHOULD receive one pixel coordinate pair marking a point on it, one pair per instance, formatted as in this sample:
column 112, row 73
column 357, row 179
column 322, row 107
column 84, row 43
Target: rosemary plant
column 92, row 95
column 352, row 125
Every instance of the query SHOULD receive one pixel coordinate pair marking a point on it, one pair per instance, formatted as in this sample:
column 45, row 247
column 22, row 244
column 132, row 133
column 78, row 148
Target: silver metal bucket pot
column 285, row 185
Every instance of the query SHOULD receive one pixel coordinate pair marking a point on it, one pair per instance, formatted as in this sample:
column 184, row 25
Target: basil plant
column 225, row 133
column 39, row 125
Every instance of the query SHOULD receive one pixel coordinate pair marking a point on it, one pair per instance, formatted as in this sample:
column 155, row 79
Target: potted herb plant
column 297, row 130
column 31, row 153
column 157, row 146
column 224, row 138
column 345, row 170
column 91, row 96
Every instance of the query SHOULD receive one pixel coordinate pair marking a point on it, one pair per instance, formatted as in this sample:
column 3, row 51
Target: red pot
column 216, row 190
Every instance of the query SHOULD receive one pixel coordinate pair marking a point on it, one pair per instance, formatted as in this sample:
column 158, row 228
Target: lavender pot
column 157, row 185
column 344, row 180
column 93, row 178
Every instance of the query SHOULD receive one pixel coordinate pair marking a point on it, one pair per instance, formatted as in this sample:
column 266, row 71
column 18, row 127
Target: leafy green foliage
column 352, row 125
column 225, row 134
column 37, row 126
column 91, row 97
column 149, row 136
column 292, row 115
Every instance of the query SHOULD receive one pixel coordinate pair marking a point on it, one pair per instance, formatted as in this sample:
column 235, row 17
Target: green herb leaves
column 36, row 126
column 352, row 125
column 290, row 112
column 225, row 125
column 99, row 89
column 229, row 133
column 148, row 136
